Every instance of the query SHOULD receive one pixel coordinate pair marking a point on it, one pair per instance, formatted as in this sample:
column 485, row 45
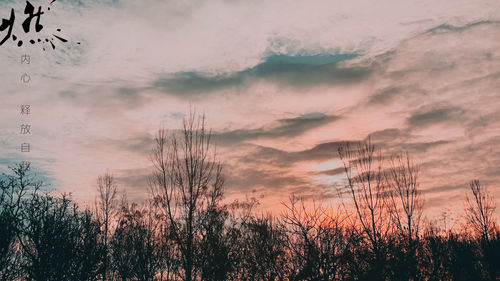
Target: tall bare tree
column 363, row 166
column 106, row 210
column 187, row 183
column 480, row 209
column 405, row 207
column 406, row 202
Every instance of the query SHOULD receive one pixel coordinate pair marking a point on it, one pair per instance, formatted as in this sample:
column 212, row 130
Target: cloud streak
column 300, row 71
column 281, row 93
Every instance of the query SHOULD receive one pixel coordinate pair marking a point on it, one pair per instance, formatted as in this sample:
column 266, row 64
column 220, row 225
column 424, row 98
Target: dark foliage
column 186, row 232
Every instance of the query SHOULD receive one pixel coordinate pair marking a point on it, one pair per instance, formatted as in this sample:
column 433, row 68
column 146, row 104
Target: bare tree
column 480, row 209
column 406, row 202
column 367, row 188
column 106, row 210
column 405, row 207
column 187, row 183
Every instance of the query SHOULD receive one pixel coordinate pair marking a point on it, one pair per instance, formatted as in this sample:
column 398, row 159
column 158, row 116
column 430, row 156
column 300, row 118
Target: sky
column 282, row 84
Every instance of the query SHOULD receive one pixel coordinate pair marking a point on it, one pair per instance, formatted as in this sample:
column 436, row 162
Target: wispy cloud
column 282, row 128
column 287, row 71
column 281, row 93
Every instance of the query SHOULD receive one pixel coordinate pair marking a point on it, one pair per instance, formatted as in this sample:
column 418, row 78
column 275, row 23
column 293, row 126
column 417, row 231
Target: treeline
column 185, row 231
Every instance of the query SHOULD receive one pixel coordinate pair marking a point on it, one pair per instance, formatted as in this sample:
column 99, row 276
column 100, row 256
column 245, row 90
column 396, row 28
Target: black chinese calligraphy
column 29, row 10
column 33, row 16
column 8, row 23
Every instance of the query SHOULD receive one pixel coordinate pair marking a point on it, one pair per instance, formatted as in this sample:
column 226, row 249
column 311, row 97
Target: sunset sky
column 282, row 84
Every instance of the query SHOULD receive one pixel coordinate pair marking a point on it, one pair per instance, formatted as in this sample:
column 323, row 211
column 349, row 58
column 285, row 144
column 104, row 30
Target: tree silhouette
column 185, row 231
column 263, row 245
column 315, row 239
column 405, row 207
column 187, row 182
column 106, row 210
column 14, row 188
column 134, row 244
column 367, row 187
column 480, row 210
column 56, row 241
